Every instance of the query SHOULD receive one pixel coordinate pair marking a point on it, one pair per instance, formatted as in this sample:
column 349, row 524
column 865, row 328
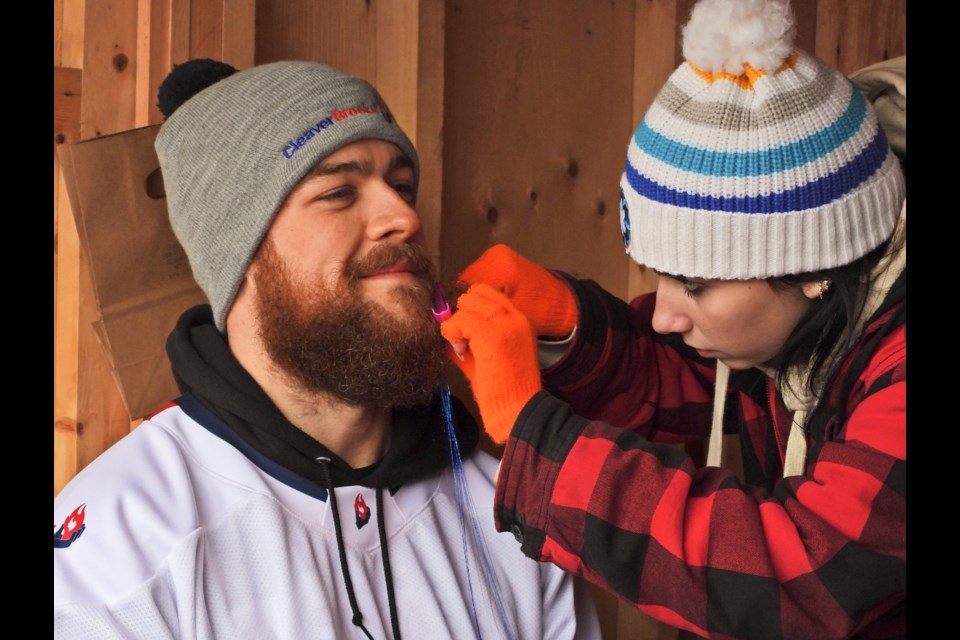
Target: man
column 302, row 486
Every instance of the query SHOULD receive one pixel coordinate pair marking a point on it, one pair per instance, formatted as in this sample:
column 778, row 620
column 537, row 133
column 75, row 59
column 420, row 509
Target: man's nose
column 394, row 218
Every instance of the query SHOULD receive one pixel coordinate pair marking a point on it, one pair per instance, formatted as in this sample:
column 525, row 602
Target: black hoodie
column 205, row 368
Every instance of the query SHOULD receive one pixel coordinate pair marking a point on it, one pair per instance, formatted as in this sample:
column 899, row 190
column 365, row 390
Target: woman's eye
column 690, row 287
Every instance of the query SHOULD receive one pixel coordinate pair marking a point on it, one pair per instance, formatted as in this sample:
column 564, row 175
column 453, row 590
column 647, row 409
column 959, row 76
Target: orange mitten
column 501, row 362
column 541, row 296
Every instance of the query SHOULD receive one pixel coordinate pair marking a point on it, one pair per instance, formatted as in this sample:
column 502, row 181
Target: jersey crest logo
column 70, row 530
column 361, row 510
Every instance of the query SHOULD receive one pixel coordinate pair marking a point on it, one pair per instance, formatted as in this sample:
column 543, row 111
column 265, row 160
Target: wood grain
column 852, row 34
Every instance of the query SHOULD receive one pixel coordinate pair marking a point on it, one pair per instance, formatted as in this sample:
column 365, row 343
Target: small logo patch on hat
column 336, row 116
column 624, row 220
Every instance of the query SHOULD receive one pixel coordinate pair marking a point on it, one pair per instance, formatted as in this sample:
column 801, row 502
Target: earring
column 824, row 287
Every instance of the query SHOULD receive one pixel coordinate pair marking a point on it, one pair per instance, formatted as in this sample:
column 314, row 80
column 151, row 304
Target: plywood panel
column 852, row 34
column 430, row 118
column 206, row 29
column 337, row 32
column 179, row 31
column 239, row 24
column 537, row 115
column 396, row 59
column 223, row 30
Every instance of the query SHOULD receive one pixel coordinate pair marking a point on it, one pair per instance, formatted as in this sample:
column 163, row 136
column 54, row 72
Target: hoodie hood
column 205, row 368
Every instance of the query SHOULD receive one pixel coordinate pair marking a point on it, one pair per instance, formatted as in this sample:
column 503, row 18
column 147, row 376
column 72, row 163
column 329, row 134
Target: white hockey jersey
column 175, row 532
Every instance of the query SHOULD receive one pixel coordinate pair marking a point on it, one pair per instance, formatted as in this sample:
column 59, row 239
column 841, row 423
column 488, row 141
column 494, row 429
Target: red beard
column 331, row 340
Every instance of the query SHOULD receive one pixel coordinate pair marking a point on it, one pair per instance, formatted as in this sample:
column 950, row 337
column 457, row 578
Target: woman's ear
column 816, row 289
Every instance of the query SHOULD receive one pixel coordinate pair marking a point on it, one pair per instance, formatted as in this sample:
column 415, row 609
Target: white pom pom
column 723, row 35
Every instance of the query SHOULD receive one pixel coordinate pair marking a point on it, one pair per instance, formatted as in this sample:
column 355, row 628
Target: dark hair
column 816, row 340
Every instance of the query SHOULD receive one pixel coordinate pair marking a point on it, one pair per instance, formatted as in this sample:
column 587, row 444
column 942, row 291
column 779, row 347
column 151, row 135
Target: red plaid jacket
column 817, row 556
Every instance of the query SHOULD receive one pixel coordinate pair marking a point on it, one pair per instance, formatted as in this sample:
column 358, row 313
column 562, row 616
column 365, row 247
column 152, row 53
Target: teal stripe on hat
column 818, row 193
column 754, row 163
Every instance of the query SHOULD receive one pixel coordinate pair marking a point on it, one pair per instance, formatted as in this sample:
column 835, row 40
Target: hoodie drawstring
column 357, row 616
column 796, row 454
column 715, row 448
column 388, row 575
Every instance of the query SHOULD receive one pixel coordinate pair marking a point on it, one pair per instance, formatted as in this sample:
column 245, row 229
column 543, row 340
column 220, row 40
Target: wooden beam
column 108, row 106
column 68, row 33
column 109, row 68
column 430, row 85
column 153, row 58
column 66, row 252
column 67, row 87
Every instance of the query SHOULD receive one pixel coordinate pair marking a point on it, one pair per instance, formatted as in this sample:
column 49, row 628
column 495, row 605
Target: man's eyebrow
column 363, row 168
column 332, row 168
column 400, row 161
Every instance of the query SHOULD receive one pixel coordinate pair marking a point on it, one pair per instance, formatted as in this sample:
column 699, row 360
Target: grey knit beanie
column 756, row 160
column 231, row 154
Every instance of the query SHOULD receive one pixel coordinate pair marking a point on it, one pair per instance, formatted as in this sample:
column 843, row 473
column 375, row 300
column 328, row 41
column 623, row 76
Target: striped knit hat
column 755, row 160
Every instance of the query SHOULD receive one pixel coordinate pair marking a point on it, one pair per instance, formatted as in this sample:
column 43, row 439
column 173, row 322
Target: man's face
column 343, row 287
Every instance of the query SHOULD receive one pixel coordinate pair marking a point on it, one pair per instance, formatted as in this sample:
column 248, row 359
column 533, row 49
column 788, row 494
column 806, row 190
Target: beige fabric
column 885, row 85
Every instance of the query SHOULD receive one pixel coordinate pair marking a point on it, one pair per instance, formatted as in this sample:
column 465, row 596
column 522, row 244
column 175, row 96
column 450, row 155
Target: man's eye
column 337, row 194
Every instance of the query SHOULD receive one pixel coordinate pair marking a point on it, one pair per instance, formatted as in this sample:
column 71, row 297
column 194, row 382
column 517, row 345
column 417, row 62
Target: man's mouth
column 402, row 263
column 402, row 267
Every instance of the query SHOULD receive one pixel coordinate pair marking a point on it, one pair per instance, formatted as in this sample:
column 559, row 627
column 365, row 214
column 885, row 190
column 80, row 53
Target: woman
column 761, row 187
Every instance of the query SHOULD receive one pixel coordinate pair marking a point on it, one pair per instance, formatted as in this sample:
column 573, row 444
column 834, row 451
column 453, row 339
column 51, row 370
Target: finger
column 452, row 328
column 486, row 301
column 474, row 310
column 497, row 267
column 459, row 349
column 466, row 363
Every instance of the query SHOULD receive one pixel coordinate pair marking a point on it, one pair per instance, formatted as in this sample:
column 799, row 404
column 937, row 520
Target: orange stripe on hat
column 748, row 78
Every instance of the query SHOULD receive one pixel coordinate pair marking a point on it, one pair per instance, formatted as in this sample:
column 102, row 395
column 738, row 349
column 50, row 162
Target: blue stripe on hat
column 754, row 163
column 813, row 194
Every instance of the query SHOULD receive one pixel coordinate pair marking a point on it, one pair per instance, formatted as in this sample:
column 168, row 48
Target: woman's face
column 743, row 323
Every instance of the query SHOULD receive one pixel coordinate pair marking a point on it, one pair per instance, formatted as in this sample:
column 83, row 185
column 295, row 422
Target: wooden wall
column 521, row 111
column 109, row 59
